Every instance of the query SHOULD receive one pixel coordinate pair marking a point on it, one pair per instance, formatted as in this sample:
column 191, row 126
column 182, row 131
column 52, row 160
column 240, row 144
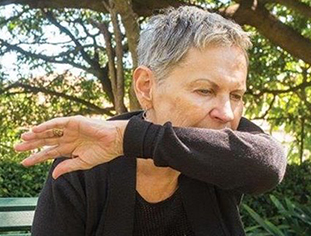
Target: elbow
column 272, row 168
column 268, row 181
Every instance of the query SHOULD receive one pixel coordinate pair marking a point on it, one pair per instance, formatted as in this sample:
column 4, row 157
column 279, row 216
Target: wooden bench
column 16, row 216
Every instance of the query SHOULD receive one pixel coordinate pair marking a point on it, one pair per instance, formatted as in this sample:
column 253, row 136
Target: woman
column 179, row 168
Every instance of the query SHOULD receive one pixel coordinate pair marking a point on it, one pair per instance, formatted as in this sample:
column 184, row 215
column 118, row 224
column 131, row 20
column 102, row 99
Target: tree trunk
column 119, row 95
column 130, row 22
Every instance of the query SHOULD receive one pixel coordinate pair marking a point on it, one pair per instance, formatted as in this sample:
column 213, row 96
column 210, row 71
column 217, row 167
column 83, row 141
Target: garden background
column 63, row 58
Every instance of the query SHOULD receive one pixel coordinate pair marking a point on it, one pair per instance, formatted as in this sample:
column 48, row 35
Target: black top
column 217, row 167
column 165, row 218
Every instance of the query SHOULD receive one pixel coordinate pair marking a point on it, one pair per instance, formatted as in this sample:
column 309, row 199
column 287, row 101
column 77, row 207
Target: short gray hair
column 168, row 37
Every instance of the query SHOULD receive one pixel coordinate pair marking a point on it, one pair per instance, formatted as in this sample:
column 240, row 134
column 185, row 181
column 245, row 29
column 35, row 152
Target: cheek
column 239, row 109
column 238, row 112
column 178, row 108
column 187, row 111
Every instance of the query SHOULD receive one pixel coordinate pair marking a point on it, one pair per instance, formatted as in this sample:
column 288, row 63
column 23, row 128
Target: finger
column 30, row 145
column 44, row 155
column 31, row 135
column 51, row 124
column 69, row 166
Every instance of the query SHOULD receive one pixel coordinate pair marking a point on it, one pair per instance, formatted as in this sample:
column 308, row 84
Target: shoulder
column 246, row 125
column 127, row 115
column 81, row 182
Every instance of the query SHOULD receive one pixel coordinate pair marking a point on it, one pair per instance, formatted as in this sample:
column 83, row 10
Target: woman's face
column 205, row 90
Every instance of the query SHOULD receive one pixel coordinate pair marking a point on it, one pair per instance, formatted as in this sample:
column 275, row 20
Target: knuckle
column 44, row 142
column 47, row 152
column 50, row 134
column 51, row 153
column 78, row 117
column 57, row 153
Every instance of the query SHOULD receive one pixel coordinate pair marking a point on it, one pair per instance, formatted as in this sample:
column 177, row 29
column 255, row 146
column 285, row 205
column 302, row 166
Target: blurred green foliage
column 18, row 181
column 295, row 186
column 292, row 219
column 279, row 85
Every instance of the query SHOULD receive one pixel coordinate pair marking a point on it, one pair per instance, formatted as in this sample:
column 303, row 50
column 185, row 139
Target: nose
column 222, row 111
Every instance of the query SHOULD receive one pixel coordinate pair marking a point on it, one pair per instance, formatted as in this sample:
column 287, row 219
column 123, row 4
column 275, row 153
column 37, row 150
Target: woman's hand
column 87, row 142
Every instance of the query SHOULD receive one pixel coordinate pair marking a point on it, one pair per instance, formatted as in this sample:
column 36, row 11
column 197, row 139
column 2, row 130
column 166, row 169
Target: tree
column 101, row 40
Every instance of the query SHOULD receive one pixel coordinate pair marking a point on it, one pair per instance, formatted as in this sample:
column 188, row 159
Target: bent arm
column 246, row 160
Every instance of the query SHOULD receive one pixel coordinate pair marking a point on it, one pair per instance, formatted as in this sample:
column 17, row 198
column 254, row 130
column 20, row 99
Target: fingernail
column 26, row 135
column 16, row 147
column 23, row 162
column 54, row 176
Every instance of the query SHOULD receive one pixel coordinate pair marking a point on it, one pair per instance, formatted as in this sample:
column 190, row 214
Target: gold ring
column 58, row 132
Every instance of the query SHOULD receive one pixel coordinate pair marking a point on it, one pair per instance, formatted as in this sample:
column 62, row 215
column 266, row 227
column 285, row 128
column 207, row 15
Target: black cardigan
column 217, row 168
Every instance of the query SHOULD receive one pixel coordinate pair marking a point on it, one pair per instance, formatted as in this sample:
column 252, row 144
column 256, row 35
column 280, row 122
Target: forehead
column 221, row 65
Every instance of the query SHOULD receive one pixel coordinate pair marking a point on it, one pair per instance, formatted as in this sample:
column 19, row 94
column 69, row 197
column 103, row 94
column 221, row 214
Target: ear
column 143, row 83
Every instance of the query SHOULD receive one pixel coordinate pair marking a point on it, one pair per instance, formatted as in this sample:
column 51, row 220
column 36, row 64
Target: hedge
column 17, row 181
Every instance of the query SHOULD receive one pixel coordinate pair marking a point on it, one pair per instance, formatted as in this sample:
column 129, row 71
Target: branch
column 33, row 89
column 269, row 26
column 268, row 109
column 119, row 95
column 51, row 59
column 100, row 73
column 95, row 65
column 110, row 53
column 130, row 21
column 258, row 17
column 42, row 57
column 303, row 97
column 93, row 36
column 302, row 139
column 106, row 83
column 295, row 5
column 16, row 17
column 282, row 118
column 49, row 15
column 280, row 91
column 141, row 7
column 42, row 42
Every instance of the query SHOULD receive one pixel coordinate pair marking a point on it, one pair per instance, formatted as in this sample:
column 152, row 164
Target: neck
column 153, row 183
column 147, row 168
column 150, row 116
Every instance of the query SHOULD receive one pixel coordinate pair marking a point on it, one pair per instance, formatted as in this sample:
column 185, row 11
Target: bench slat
column 16, row 234
column 16, row 220
column 18, row 204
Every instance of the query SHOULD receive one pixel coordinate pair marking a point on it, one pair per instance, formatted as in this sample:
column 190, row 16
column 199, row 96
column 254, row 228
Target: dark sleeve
column 61, row 207
column 247, row 160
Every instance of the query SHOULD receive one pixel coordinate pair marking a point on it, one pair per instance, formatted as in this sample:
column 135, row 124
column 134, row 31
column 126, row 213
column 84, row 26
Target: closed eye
column 236, row 97
column 204, row 92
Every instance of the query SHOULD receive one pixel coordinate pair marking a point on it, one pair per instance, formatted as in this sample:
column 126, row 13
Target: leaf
column 267, row 225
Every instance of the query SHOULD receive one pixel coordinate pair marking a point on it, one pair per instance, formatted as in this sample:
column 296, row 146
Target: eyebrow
column 214, row 85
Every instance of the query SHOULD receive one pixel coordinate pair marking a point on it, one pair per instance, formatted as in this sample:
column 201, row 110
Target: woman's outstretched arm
column 246, row 160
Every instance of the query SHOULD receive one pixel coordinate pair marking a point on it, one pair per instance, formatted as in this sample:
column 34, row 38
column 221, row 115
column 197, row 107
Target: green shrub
column 293, row 219
column 295, row 186
column 18, row 181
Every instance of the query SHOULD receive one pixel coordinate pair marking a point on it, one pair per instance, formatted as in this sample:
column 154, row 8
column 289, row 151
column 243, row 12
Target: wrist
column 120, row 127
